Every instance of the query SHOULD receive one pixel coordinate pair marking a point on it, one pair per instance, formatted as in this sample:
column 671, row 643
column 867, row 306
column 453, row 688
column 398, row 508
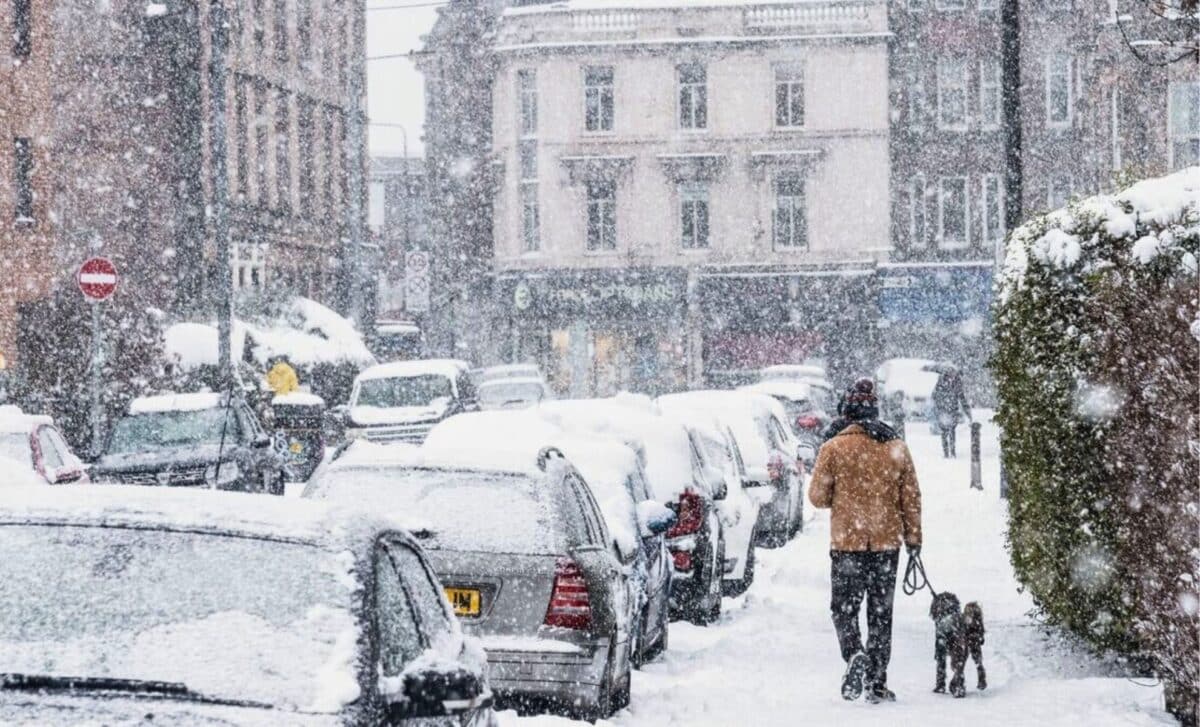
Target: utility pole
column 1010, row 63
column 353, row 269
column 219, row 215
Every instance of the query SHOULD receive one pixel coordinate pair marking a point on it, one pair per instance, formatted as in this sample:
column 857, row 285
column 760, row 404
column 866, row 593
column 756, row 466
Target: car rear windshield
column 170, row 429
column 504, row 393
column 420, row 390
column 466, row 510
column 229, row 617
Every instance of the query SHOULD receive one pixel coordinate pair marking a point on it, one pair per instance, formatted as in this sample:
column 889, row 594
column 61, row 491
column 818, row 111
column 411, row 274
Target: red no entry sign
column 97, row 278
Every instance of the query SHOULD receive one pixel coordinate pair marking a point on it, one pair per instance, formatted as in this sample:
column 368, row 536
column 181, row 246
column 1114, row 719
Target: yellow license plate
column 464, row 600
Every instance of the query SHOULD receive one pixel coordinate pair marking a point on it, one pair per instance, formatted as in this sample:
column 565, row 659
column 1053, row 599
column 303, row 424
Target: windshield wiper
column 55, row 683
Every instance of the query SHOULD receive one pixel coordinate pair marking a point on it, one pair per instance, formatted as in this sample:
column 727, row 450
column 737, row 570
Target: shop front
column 753, row 319
column 598, row 332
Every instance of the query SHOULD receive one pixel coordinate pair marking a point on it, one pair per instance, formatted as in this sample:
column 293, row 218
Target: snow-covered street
column 773, row 659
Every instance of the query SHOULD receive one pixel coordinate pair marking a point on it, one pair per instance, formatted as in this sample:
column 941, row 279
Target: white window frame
column 944, row 243
column 993, row 194
column 1051, row 73
column 601, row 205
column 530, row 222
column 603, row 92
column 1114, row 126
column 695, row 194
column 795, row 210
column 697, row 99
column 1175, row 135
column 527, row 103
column 957, row 70
column 791, row 75
column 991, row 80
column 917, row 208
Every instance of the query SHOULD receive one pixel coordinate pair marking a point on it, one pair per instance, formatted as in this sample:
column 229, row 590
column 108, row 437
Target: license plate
column 464, row 600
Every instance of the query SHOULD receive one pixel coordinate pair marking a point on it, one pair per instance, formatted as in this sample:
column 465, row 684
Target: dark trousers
column 871, row 574
column 948, row 441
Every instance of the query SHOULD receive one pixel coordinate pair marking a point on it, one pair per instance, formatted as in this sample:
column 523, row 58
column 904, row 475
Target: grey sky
column 394, row 88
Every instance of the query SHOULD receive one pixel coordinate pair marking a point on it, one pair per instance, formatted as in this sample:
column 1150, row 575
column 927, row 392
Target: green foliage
column 1098, row 378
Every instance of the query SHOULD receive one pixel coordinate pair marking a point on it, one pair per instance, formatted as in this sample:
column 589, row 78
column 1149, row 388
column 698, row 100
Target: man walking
column 865, row 474
column 949, row 405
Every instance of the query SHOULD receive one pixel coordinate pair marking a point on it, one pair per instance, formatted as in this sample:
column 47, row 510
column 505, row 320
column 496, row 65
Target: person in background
column 949, row 406
column 281, row 377
column 864, row 474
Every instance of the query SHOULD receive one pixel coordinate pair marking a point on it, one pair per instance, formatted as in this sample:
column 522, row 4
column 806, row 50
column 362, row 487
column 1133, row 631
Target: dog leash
column 915, row 578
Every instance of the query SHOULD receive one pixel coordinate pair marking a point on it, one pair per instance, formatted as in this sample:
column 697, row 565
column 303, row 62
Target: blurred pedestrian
column 949, row 406
column 281, row 377
column 865, row 475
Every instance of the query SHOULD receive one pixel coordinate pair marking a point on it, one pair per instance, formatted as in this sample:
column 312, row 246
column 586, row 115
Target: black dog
column 959, row 634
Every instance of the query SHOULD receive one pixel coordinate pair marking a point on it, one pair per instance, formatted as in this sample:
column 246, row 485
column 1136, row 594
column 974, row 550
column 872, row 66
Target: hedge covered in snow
column 1097, row 368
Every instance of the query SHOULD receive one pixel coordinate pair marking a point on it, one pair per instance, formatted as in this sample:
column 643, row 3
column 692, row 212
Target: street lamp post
column 219, row 214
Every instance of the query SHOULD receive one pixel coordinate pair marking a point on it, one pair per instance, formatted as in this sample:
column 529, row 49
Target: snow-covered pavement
column 773, row 659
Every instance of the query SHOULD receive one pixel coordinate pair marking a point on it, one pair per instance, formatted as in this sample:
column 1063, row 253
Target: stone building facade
column 687, row 192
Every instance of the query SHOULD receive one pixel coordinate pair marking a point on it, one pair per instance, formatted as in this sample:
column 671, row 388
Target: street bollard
column 1003, row 480
column 976, row 464
column 900, row 424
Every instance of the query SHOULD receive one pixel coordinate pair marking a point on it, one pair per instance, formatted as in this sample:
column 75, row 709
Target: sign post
column 97, row 280
column 416, row 282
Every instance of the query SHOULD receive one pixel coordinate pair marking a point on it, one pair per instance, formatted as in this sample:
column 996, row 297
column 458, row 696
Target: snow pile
column 1156, row 218
column 175, row 402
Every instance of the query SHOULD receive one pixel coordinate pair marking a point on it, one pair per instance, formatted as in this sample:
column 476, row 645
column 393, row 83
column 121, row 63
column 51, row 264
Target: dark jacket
column 949, row 399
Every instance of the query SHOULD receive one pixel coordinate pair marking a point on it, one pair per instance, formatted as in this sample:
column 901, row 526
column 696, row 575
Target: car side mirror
column 654, row 518
column 438, row 693
column 65, row 475
column 749, row 483
column 260, row 441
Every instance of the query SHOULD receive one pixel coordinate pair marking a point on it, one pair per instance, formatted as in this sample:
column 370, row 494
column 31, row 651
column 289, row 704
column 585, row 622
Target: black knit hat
column 860, row 401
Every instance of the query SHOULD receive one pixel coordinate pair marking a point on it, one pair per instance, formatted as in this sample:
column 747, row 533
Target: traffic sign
column 97, row 278
column 416, row 282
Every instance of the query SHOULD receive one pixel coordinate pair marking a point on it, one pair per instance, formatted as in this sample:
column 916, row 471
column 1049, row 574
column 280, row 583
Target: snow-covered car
column 807, row 414
column 772, row 456
column 907, row 380
column 32, row 451
column 188, row 608
column 526, row 560
column 614, row 473
column 402, row 401
column 676, row 478
column 191, row 440
column 513, row 393
column 507, row 371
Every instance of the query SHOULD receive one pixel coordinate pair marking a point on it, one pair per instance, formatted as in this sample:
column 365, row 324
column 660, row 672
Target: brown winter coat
column 873, row 491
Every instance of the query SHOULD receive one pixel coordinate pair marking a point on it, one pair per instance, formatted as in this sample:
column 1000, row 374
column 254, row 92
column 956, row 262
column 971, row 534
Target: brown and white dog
column 958, row 634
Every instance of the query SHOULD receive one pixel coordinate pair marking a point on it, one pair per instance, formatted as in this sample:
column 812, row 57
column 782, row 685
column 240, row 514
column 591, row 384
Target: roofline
column 862, row 37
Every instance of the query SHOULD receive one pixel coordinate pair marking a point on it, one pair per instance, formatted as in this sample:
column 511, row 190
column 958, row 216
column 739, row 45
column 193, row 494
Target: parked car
column 910, row 381
column 513, row 393
column 772, row 456
column 612, row 471
column 191, row 440
column 122, row 606
column 507, row 371
column 35, row 452
column 805, row 409
column 526, row 561
column 400, row 402
column 396, row 340
column 676, row 477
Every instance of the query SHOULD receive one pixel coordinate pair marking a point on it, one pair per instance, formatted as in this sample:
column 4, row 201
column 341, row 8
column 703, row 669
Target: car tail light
column 808, row 421
column 683, row 560
column 690, row 516
column 570, row 606
column 775, row 468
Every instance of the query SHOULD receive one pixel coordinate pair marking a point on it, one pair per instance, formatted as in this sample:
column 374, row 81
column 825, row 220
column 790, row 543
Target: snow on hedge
column 1146, row 222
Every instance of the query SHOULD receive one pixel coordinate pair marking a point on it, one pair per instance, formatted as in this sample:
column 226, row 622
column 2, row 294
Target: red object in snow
column 97, row 278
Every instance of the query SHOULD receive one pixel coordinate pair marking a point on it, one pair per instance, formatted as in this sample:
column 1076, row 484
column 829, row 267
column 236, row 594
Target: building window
column 331, row 157
column 1058, row 90
column 258, row 27
column 1185, row 124
column 530, row 223
column 262, row 126
column 989, row 94
column 242, row 139
column 527, row 160
column 918, row 234
column 22, row 28
column 304, row 22
column 789, row 96
column 527, row 93
column 693, row 216
column 281, row 30
column 791, row 222
column 601, row 216
column 23, row 182
column 1114, row 122
column 914, row 82
column 1059, row 191
column 693, row 96
column 598, row 98
column 985, row 5
column 952, row 94
column 951, row 5
column 953, row 213
column 308, row 156
column 993, row 209
column 283, row 158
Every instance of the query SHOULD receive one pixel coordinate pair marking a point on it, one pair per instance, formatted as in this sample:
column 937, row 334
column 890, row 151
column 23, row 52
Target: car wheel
column 713, row 614
column 637, row 641
column 273, row 485
column 664, row 636
column 738, row 587
column 606, row 697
